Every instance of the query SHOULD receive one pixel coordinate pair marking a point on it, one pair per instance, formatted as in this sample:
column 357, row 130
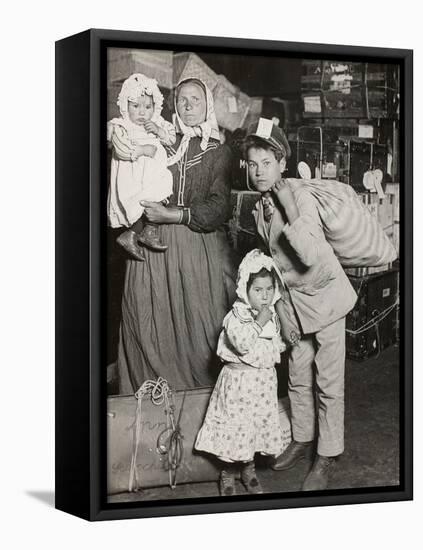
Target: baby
column 139, row 163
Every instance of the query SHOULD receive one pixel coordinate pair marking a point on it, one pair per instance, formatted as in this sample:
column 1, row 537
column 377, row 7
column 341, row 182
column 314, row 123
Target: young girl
column 242, row 416
column 139, row 163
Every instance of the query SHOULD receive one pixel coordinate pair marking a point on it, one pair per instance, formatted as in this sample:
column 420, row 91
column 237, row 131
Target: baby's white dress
column 143, row 179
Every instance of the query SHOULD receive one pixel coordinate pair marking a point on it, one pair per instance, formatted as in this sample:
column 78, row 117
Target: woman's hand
column 286, row 198
column 157, row 213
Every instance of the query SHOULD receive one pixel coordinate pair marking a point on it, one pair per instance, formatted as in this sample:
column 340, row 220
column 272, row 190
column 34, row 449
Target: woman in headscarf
column 174, row 303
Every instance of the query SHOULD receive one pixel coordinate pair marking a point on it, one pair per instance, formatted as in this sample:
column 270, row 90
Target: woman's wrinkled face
column 191, row 104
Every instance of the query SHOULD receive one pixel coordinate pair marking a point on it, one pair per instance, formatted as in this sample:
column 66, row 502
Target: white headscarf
column 138, row 85
column 206, row 130
column 253, row 262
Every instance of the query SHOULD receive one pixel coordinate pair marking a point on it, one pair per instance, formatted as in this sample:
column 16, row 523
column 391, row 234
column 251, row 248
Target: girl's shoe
column 227, row 482
column 250, row 480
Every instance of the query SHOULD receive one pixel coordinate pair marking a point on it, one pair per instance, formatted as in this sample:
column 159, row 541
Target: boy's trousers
column 316, row 387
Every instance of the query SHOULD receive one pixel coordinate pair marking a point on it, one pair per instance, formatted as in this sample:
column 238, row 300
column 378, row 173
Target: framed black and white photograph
column 233, row 274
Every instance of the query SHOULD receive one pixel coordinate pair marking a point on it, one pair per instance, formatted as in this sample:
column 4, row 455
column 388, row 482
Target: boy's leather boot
column 295, row 452
column 318, row 477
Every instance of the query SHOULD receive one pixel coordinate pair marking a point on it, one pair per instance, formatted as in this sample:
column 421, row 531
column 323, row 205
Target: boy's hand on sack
column 264, row 316
column 283, row 192
column 286, row 198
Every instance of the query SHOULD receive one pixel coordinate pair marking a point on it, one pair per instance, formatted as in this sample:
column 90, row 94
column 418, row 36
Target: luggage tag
column 378, row 177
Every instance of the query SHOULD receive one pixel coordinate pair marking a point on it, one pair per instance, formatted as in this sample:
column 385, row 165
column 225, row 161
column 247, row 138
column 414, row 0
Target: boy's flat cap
column 265, row 130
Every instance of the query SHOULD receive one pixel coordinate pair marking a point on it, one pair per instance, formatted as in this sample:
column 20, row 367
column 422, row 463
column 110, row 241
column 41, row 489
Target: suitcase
column 338, row 88
column 152, row 464
column 372, row 325
column 365, row 156
column 242, row 227
column 324, row 153
column 360, row 161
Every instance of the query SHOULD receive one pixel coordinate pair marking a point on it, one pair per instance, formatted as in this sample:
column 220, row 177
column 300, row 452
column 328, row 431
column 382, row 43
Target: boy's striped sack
column 356, row 236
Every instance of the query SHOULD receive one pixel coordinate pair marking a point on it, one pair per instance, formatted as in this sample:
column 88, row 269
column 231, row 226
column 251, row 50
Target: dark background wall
column 258, row 75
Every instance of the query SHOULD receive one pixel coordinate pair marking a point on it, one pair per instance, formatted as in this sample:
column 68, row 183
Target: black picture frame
column 80, row 277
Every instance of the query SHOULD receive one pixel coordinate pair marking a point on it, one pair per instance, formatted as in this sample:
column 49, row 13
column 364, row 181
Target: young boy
column 316, row 299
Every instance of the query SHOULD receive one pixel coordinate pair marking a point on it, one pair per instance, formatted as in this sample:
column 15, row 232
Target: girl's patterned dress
column 242, row 417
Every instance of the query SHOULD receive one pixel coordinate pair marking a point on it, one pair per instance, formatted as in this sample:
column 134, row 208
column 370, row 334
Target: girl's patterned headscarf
column 206, row 130
column 138, row 85
column 253, row 262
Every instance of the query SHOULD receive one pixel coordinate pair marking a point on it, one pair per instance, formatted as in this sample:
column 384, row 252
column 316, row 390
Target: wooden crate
column 342, row 76
column 381, row 90
column 337, row 104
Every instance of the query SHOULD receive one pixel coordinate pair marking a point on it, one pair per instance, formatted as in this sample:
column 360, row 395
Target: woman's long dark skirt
column 173, row 306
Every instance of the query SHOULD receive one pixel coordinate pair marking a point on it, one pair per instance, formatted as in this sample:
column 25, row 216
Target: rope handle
column 160, row 393
column 375, row 320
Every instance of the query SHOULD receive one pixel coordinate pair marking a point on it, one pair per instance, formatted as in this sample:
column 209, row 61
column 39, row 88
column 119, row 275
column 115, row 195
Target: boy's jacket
column 320, row 291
